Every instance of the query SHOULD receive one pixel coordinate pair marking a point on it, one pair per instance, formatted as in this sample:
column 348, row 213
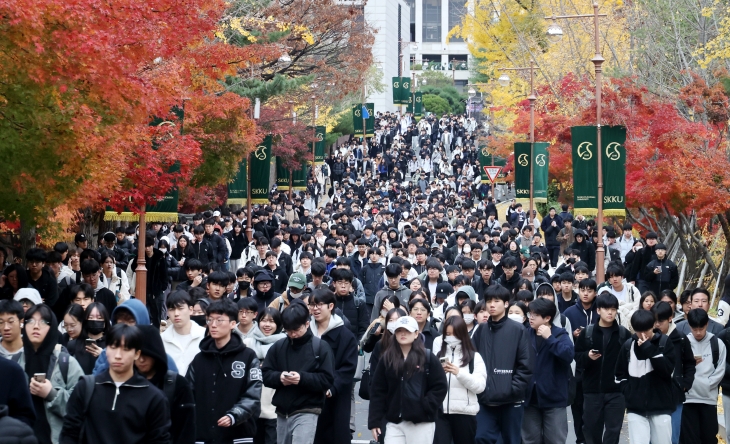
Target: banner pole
column 598, row 61
column 532, row 99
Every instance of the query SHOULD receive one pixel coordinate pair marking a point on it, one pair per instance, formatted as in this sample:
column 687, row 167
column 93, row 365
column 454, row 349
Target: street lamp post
column 472, row 92
column 555, row 33
column 504, row 81
column 249, row 215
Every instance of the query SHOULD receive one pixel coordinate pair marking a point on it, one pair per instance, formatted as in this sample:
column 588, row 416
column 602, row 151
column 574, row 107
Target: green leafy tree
column 435, row 104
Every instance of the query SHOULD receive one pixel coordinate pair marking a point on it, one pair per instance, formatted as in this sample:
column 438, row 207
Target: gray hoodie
column 335, row 321
column 707, row 377
column 402, row 292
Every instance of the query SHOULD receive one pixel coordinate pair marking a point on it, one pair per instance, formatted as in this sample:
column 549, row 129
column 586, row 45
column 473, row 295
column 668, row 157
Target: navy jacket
column 549, row 385
column 580, row 317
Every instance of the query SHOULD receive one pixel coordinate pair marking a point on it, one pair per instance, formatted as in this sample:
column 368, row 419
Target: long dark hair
column 387, row 336
column 20, row 273
column 461, row 333
column 393, row 358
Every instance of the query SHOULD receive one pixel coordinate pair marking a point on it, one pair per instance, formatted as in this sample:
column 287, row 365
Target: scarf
column 262, row 343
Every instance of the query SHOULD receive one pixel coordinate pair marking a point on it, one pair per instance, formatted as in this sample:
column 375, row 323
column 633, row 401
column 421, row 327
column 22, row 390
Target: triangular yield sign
column 492, row 172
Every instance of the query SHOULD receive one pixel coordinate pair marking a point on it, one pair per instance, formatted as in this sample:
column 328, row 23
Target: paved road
column 363, row 436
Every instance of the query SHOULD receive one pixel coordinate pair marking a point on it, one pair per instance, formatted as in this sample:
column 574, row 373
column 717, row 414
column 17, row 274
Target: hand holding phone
column 39, row 377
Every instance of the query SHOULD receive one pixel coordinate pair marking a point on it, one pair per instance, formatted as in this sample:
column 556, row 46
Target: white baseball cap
column 406, row 322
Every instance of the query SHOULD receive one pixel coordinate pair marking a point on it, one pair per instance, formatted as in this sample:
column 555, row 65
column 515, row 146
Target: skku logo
column 522, row 191
column 613, row 199
column 584, row 150
column 612, row 151
column 522, row 160
column 540, row 160
column 499, row 371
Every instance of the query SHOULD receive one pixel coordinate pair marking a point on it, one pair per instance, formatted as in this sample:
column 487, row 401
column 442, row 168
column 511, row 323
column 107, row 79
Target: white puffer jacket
column 464, row 387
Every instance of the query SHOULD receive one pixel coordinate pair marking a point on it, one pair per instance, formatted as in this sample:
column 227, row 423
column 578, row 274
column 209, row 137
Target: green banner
column 409, row 106
column 300, row 178
column 357, row 120
column 320, row 145
column 418, row 112
column 522, row 170
column 237, row 190
column 405, row 90
column 585, row 168
column 614, row 170
column 397, row 98
column 260, row 172
column 540, row 162
column 282, row 175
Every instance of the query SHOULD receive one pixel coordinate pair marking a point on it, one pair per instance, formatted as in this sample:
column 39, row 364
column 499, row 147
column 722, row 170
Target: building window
column 412, row 4
column 431, row 20
column 457, row 10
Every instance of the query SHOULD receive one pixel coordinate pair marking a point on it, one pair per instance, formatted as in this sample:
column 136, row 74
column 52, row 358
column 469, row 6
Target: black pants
column 576, row 409
column 155, row 307
column 699, row 424
column 459, row 429
column 553, row 252
column 603, row 411
column 265, row 431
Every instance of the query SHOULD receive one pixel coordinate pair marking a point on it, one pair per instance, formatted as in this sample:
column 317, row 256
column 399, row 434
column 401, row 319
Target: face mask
column 451, row 340
column 243, row 285
column 515, row 317
column 469, row 318
column 95, row 327
column 467, row 250
column 164, row 250
column 130, row 238
column 459, row 230
column 199, row 319
column 383, row 312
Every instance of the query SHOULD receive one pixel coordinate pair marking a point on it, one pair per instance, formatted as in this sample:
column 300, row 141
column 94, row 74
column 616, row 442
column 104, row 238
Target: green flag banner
column 260, row 172
column 613, row 165
column 237, row 190
column 397, row 98
column 522, row 170
column 357, row 119
column 405, row 90
column 585, row 167
column 585, row 164
column 418, row 111
column 540, row 162
column 300, row 178
column 282, row 175
column 320, row 144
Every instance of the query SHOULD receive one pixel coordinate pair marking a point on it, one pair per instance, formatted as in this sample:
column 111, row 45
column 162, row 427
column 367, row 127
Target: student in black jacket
column 644, row 370
column 333, row 426
column 152, row 364
column 281, row 279
column 301, row 369
column 408, row 387
column 220, row 251
column 14, row 391
column 157, row 280
column 200, row 248
column 226, row 380
column 684, row 362
column 510, row 278
column 354, row 310
column 505, row 348
column 133, row 412
column 603, row 403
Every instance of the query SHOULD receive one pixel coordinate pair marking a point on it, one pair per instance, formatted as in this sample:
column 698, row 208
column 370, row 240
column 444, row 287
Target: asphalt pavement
column 363, row 435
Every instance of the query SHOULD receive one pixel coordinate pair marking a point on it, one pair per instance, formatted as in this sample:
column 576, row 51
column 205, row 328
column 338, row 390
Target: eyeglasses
column 247, row 312
column 218, row 321
column 33, row 322
column 317, row 306
column 10, row 322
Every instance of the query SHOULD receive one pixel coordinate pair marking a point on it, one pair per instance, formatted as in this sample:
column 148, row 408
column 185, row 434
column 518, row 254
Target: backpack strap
column 623, row 334
column 715, row 350
column 63, row 362
column 316, row 346
column 663, row 343
column 118, row 271
column 169, row 385
column 589, row 334
column 471, row 366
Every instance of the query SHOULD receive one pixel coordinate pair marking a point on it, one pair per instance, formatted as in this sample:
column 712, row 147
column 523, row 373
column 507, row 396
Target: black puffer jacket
column 14, row 430
column 509, row 358
column 356, row 312
column 225, row 381
column 370, row 276
column 587, row 252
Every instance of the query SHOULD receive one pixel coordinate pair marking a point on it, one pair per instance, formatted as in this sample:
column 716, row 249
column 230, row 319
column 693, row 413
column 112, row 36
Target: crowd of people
column 462, row 323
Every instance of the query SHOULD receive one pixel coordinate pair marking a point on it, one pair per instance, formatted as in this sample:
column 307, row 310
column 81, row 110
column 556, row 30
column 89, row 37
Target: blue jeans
column 676, row 423
column 503, row 421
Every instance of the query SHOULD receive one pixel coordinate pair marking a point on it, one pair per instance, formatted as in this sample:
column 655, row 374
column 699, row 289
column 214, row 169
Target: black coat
column 316, row 376
column 14, row 393
column 225, row 381
column 134, row 412
column 505, row 348
column 202, row 251
column 668, row 279
column 14, row 430
column 587, row 253
column 685, row 366
column 334, row 422
column 417, row 398
column 46, row 285
column 599, row 375
column 356, row 312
